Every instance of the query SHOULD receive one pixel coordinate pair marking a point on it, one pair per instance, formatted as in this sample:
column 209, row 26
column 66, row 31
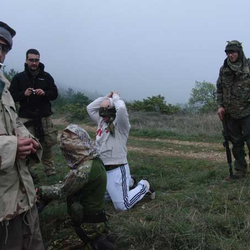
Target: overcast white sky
column 140, row 48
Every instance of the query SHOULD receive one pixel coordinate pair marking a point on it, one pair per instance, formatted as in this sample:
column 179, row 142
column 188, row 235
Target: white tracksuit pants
column 118, row 181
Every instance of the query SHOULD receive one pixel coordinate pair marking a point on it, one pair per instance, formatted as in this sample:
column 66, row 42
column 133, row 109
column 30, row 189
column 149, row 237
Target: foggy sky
column 139, row 48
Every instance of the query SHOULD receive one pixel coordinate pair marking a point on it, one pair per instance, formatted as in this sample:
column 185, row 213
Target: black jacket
column 33, row 105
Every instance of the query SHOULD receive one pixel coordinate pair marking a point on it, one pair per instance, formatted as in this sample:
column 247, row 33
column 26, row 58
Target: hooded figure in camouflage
column 233, row 91
column 84, row 187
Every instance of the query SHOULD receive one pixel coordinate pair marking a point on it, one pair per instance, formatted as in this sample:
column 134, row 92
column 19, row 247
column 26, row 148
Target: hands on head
column 25, row 147
column 112, row 93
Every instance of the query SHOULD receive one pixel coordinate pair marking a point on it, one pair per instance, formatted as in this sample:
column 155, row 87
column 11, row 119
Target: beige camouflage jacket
column 17, row 192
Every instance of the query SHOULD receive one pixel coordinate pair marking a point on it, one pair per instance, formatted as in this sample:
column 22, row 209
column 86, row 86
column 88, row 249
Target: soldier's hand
column 37, row 195
column 35, row 145
column 221, row 112
column 28, row 92
column 40, row 92
column 25, row 146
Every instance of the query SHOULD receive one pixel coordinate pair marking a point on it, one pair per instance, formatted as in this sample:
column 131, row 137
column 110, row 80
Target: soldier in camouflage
column 19, row 221
column 233, row 99
column 84, row 187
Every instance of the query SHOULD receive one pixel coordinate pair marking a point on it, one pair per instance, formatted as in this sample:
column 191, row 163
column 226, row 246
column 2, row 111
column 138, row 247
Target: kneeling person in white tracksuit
column 110, row 113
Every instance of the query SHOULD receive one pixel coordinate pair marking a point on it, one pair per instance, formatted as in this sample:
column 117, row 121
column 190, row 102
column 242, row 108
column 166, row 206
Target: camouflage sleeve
column 73, row 182
column 52, row 192
column 219, row 92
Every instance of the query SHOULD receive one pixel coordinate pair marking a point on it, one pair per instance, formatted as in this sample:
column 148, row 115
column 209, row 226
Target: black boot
column 102, row 243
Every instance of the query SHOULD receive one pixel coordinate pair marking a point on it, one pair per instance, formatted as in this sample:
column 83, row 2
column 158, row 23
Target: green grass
column 159, row 133
column 194, row 208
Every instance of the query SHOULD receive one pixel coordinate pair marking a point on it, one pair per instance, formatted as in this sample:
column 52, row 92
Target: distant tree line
column 73, row 104
column 154, row 104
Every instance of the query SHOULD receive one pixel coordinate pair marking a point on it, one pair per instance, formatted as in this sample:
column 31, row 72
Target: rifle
column 226, row 145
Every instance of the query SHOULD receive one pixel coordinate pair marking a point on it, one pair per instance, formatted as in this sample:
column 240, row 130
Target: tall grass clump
column 187, row 125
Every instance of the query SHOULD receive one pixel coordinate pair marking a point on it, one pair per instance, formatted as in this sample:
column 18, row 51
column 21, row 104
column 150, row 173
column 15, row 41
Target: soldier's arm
column 219, row 92
column 73, row 182
column 8, row 150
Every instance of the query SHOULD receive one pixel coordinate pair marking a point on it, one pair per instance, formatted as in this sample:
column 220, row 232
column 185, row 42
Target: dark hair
column 32, row 51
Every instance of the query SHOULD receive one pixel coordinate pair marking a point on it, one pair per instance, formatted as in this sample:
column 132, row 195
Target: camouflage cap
column 234, row 45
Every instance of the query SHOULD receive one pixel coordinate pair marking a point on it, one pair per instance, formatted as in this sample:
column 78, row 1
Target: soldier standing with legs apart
column 34, row 89
column 111, row 116
column 19, row 222
column 233, row 99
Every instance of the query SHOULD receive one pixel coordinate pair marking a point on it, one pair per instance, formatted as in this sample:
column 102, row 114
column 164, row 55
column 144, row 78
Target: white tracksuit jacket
column 113, row 149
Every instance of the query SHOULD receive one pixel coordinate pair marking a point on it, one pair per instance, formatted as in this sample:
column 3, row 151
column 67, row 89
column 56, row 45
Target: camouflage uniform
column 84, row 186
column 49, row 140
column 17, row 192
column 233, row 94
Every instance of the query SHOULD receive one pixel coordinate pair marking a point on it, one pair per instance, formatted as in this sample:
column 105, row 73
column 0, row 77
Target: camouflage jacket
column 73, row 182
column 17, row 192
column 233, row 92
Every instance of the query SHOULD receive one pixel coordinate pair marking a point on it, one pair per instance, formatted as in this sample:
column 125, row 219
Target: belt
column 111, row 167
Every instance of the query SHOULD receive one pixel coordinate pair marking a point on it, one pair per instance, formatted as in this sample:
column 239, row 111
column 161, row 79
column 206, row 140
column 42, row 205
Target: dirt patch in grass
column 212, row 155
column 184, row 143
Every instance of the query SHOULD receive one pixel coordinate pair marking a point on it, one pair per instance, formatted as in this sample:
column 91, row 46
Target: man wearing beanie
column 233, row 99
column 19, row 223
column 34, row 89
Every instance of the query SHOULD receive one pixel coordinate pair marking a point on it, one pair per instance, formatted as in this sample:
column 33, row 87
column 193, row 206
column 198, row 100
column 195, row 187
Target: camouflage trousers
column 94, row 236
column 50, row 139
column 22, row 232
column 239, row 131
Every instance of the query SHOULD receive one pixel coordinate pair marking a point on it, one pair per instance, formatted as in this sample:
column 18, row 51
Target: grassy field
column 194, row 208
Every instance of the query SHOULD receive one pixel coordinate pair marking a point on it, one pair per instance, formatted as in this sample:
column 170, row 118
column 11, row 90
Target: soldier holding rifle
column 233, row 99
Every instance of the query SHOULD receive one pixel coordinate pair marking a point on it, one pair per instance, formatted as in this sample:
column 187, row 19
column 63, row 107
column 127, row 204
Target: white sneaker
column 151, row 191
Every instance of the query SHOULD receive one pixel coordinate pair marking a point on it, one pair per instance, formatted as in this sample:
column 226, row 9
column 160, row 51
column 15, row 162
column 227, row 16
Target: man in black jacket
column 34, row 89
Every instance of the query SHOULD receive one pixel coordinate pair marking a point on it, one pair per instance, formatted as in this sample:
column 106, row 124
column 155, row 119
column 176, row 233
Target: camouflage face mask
column 77, row 146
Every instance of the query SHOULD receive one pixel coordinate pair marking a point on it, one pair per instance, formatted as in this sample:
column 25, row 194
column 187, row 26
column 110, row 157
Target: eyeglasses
column 4, row 48
column 33, row 60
